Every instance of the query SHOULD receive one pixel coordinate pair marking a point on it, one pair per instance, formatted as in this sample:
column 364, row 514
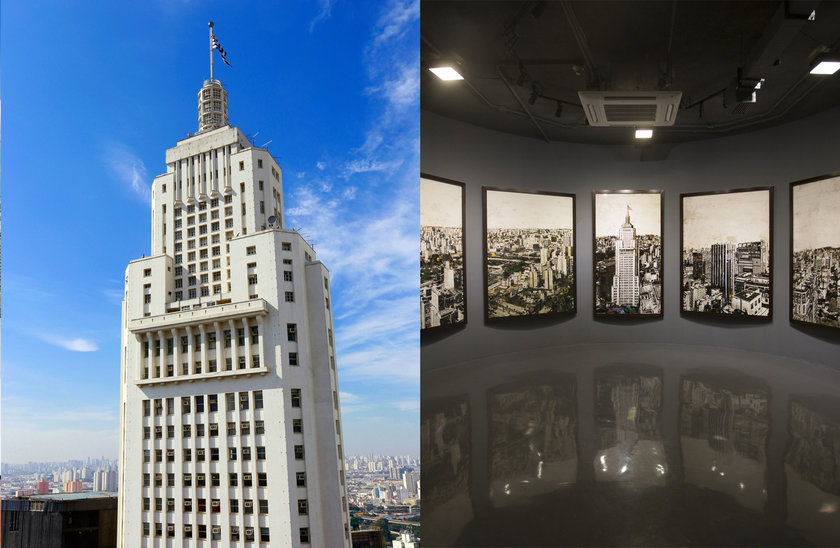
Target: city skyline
column 61, row 401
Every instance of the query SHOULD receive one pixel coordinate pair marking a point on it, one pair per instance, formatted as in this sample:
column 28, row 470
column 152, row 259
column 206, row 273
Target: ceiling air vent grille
column 622, row 108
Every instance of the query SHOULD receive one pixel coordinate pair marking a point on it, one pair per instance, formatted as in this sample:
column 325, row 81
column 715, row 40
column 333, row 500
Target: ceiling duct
column 630, row 108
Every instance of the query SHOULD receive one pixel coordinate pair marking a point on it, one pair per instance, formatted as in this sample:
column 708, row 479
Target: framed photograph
column 529, row 253
column 815, row 251
column 726, row 258
column 627, row 251
column 443, row 298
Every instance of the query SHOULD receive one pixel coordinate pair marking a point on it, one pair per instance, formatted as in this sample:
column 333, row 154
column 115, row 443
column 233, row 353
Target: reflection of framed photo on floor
column 815, row 251
column 726, row 258
column 627, row 252
column 443, row 298
column 529, row 253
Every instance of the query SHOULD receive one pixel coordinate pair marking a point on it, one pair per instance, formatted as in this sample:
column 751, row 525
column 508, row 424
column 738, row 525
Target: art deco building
column 625, row 289
column 230, row 427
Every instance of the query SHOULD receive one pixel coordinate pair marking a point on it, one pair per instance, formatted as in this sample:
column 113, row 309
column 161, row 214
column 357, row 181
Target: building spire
column 210, row 25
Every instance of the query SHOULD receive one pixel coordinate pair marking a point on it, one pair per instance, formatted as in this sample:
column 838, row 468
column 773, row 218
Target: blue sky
column 93, row 93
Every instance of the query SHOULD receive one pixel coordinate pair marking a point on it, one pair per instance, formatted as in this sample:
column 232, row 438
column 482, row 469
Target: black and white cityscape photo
column 815, row 272
column 628, row 253
column 530, row 253
column 726, row 252
column 442, row 297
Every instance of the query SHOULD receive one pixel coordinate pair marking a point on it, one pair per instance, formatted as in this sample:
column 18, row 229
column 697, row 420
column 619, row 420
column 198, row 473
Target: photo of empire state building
column 628, row 253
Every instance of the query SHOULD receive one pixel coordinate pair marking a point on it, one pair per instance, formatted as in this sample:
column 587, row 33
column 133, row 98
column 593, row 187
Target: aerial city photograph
column 628, row 253
column 726, row 257
column 530, row 257
column 816, row 253
column 441, row 254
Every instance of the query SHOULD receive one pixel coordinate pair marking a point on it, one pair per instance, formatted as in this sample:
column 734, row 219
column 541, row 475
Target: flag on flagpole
column 221, row 50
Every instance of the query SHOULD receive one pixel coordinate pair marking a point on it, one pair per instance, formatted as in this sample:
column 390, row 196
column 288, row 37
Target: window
column 147, row 272
column 234, row 505
column 213, row 399
column 246, row 478
column 293, row 358
column 158, row 504
column 214, row 453
column 200, row 480
column 215, row 504
column 187, row 482
column 259, row 427
column 297, row 426
column 303, row 507
column 263, row 506
column 170, row 455
column 202, row 530
column 240, row 337
column 231, row 429
column 145, row 528
column 199, row 402
column 145, row 503
column 187, row 432
column 295, row 393
column 291, row 331
column 252, row 280
column 170, row 479
column 304, row 535
column 187, row 529
column 249, row 531
column 147, row 408
column 158, row 455
column 230, row 401
column 245, row 428
column 187, row 451
column 287, row 275
column 158, row 529
column 258, row 399
column 199, row 453
column 286, row 246
column 300, row 477
column 299, row 452
column 170, row 505
column 260, row 453
column 263, row 534
column 248, row 508
column 158, row 407
column 243, row 401
column 147, row 432
column 233, row 479
column 158, row 432
column 290, row 296
column 158, row 480
column 147, row 455
column 147, row 480
column 259, row 162
column 147, row 299
column 170, row 530
column 252, row 250
column 262, row 479
column 246, row 453
column 232, row 453
column 262, row 203
column 241, row 166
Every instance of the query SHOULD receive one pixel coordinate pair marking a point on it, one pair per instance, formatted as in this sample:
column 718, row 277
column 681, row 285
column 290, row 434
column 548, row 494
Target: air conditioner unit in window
column 217, row 530
column 249, row 531
column 170, row 527
column 200, row 452
column 248, row 504
column 243, row 397
column 215, row 504
column 170, row 452
column 187, row 528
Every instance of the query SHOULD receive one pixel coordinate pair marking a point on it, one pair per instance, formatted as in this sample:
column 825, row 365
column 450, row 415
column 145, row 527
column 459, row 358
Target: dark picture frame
column 647, row 299
column 443, row 272
column 507, row 294
column 731, row 265
column 814, row 243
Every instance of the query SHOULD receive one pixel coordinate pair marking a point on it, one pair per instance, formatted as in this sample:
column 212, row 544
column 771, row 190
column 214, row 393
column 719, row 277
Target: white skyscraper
column 230, row 427
column 625, row 289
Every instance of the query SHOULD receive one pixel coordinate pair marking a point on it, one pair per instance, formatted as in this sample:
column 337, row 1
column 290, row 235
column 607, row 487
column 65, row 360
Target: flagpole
column 210, row 24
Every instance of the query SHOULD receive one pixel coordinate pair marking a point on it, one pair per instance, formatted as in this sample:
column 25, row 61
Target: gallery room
column 630, row 273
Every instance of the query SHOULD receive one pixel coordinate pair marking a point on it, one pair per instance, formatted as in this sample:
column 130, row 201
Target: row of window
column 216, row 505
column 215, row 478
column 216, row 532
column 197, row 339
column 201, row 453
column 212, row 402
column 244, row 429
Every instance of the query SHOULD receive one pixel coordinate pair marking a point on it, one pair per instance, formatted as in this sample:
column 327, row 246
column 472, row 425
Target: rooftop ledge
column 175, row 379
column 220, row 312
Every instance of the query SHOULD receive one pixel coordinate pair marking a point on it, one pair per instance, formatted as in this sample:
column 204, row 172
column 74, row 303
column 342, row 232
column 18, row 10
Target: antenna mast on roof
column 210, row 24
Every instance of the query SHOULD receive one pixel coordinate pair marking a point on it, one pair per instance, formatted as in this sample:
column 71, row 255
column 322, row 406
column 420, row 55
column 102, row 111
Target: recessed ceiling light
column 446, row 73
column 825, row 63
column 644, row 133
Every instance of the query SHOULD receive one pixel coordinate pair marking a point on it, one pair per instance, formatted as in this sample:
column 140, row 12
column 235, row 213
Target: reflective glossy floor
column 623, row 445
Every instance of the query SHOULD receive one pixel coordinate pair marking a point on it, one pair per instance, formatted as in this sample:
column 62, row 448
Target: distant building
column 65, row 520
column 406, row 540
column 625, row 289
column 73, row 486
column 43, row 487
column 367, row 538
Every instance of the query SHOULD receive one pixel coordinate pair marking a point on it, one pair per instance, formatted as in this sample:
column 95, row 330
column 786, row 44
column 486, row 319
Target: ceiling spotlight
column 644, row 133
column 559, row 112
column 826, row 63
column 446, row 70
column 533, row 98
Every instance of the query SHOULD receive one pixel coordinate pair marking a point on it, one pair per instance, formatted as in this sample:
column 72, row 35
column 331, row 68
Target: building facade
column 625, row 289
column 230, row 428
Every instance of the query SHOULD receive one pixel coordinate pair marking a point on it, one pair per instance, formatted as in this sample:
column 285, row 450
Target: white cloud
column 408, row 405
column 130, row 170
column 366, row 166
column 349, row 193
column 395, row 22
column 321, row 165
column 76, row 344
column 347, row 397
column 323, row 14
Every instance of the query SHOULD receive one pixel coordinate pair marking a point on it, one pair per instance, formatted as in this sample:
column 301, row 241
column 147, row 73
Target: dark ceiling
column 512, row 51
